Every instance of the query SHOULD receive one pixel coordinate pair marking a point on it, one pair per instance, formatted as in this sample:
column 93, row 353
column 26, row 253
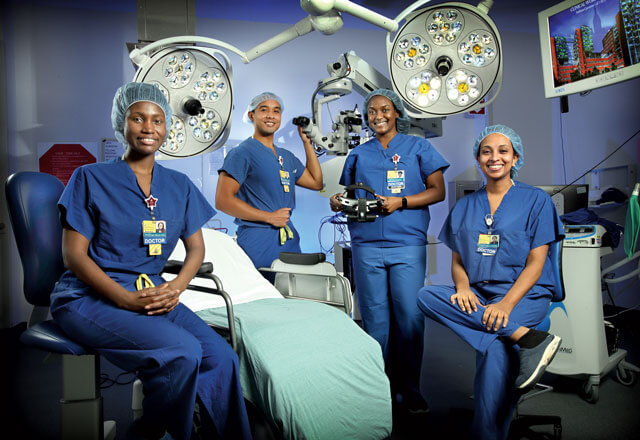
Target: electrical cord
column 106, row 381
column 340, row 226
column 596, row 165
column 315, row 92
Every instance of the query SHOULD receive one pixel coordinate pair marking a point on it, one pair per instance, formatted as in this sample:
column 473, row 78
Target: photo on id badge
column 488, row 244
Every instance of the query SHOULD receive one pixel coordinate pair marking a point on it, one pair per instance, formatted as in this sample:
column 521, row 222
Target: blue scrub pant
column 497, row 363
column 262, row 245
column 176, row 356
column 387, row 282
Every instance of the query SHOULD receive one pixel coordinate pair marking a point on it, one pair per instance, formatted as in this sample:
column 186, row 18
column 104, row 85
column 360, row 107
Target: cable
column 340, row 226
column 106, row 381
column 564, row 160
column 321, row 85
column 622, row 311
column 596, row 165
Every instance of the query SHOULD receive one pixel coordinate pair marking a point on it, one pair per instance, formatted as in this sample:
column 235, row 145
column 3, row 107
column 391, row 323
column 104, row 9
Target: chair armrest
column 346, row 288
column 303, row 259
column 206, row 271
column 174, row 266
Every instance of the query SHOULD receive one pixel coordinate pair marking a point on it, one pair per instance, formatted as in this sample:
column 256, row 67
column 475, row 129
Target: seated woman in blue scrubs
column 389, row 254
column 112, row 297
column 257, row 184
column 499, row 237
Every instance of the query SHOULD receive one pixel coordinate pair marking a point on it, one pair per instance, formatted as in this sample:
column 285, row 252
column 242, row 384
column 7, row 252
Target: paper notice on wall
column 61, row 160
column 111, row 149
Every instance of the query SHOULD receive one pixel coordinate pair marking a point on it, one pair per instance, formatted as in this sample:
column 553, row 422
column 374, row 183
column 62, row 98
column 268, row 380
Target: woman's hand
column 496, row 315
column 390, row 204
column 335, row 205
column 153, row 300
column 466, row 300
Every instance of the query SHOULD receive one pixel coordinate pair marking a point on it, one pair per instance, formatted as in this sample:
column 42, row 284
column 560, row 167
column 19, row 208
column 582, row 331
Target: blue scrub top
column 104, row 203
column 368, row 163
column 525, row 220
column 257, row 170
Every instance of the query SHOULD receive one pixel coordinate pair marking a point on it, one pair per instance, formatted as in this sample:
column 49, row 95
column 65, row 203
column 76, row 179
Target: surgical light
column 458, row 50
column 199, row 90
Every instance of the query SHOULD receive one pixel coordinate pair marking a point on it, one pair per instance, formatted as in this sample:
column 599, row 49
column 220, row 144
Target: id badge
column 285, row 180
column 488, row 244
column 395, row 181
column 154, row 232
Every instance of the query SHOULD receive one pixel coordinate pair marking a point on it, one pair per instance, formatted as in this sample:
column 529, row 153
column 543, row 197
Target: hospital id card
column 395, row 180
column 154, row 232
column 488, row 244
column 285, row 180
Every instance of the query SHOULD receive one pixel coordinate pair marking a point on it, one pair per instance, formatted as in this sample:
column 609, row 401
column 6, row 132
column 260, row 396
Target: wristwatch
column 404, row 202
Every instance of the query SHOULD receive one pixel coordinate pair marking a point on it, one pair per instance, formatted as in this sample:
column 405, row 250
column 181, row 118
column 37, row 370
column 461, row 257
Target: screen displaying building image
column 594, row 37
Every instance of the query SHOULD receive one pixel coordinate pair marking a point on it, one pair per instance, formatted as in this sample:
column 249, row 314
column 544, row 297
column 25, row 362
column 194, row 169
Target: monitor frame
column 585, row 84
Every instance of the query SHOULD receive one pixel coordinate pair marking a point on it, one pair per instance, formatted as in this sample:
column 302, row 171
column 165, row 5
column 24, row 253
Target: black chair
column 521, row 424
column 32, row 201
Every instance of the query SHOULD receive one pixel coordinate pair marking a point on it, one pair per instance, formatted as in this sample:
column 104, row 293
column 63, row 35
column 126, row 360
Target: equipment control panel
column 583, row 235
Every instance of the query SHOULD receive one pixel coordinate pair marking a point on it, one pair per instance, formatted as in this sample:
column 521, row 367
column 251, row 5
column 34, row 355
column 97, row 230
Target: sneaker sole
column 546, row 359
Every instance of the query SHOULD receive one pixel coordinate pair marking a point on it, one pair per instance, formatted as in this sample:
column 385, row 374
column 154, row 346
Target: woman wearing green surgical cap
column 503, row 280
column 389, row 254
column 121, row 220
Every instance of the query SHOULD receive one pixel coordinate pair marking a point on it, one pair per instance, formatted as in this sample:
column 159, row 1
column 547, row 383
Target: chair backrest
column 32, row 199
column 555, row 255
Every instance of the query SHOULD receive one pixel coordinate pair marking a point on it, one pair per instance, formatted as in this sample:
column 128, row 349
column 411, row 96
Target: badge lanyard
column 488, row 243
column 395, row 178
column 153, row 232
column 285, row 181
column 488, row 219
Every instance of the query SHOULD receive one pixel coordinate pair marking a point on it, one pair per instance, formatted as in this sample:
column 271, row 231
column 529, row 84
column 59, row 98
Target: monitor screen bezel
column 586, row 84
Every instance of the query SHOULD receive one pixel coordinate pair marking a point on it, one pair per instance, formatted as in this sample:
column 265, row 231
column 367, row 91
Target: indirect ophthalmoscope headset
column 361, row 209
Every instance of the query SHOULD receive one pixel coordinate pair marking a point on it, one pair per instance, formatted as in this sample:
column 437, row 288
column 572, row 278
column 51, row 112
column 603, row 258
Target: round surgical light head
column 198, row 88
column 456, row 64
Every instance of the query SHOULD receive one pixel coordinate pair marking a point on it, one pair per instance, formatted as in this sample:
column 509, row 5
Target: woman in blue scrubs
column 503, row 281
column 257, row 184
column 112, row 297
column 389, row 254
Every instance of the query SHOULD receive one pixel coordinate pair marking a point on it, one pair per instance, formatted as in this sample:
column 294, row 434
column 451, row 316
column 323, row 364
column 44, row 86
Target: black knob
column 443, row 65
column 193, row 107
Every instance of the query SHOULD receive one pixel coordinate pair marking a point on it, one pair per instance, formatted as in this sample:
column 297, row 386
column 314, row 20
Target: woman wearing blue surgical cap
column 121, row 220
column 499, row 237
column 389, row 254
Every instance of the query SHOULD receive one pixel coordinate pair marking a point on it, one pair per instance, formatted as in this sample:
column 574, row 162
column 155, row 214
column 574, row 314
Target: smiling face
column 266, row 117
column 144, row 128
column 496, row 157
column 382, row 115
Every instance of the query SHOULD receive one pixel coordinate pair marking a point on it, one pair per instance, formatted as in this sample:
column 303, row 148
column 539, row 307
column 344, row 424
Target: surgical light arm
column 324, row 17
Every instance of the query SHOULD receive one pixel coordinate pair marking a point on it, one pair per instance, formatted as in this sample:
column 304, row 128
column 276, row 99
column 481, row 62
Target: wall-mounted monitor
column 586, row 44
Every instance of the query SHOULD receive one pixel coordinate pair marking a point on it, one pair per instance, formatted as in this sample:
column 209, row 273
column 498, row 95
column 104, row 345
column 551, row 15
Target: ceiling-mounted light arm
column 327, row 23
column 485, row 5
column 401, row 16
column 320, row 7
column 141, row 55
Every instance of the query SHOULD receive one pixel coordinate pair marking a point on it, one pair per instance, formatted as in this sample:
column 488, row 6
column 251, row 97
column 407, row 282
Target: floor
column 31, row 389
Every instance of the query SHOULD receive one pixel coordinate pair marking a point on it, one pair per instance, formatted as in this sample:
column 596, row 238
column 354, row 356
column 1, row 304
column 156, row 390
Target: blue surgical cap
column 129, row 94
column 516, row 142
column 402, row 122
column 259, row 99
